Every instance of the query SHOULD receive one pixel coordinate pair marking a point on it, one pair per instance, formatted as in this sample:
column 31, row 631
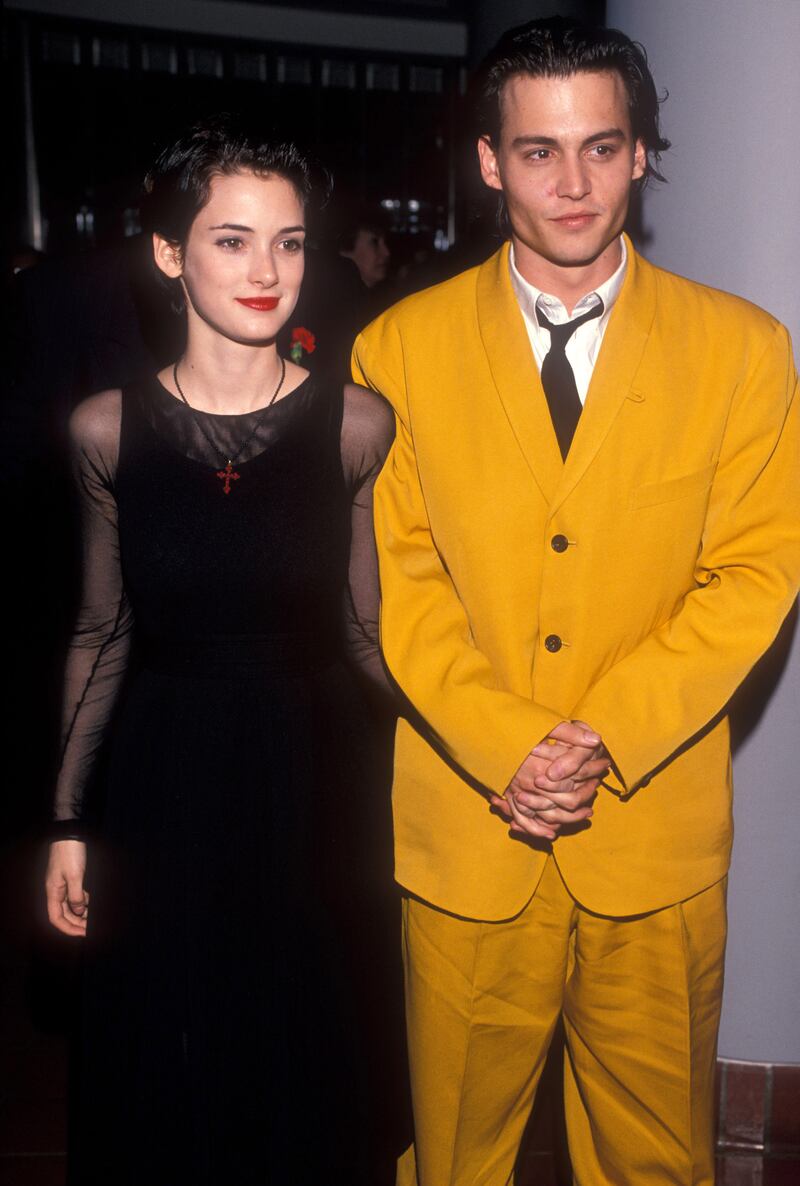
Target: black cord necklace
column 228, row 474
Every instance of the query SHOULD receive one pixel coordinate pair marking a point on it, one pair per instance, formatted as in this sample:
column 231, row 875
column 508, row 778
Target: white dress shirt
column 583, row 347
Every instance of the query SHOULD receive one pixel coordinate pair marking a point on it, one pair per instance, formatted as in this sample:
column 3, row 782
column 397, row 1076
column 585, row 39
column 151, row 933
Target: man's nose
column 573, row 181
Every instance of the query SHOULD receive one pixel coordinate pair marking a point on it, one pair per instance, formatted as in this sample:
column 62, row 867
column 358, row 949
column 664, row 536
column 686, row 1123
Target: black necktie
column 558, row 380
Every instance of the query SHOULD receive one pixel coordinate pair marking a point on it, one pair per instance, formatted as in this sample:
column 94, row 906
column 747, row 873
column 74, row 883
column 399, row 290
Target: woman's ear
column 168, row 257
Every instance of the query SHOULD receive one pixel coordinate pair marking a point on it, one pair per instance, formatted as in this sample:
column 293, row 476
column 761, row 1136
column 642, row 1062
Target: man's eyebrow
column 608, row 134
column 526, row 141
column 552, row 142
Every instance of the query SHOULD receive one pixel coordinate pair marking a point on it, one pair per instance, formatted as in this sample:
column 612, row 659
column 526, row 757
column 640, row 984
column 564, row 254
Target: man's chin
column 579, row 252
column 576, row 255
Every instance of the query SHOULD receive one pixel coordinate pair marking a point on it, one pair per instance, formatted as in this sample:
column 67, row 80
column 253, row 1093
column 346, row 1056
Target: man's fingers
column 576, row 733
column 534, row 801
column 592, row 772
column 598, row 768
column 531, row 825
column 573, row 797
column 501, row 805
column 575, row 764
column 534, row 765
column 552, row 812
column 571, row 792
column 550, row 750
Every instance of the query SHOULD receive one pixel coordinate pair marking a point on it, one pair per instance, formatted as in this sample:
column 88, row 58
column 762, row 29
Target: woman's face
column 242, row 264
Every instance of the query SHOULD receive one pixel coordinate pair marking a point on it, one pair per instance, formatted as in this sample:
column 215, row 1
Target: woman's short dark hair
column 178, row 185
column 557, row 47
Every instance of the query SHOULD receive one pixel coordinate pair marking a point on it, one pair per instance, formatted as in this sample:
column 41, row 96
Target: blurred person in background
column 363, row 240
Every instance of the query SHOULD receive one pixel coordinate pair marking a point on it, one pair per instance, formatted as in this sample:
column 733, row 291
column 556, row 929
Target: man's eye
column 603, row 150
column 539, row 154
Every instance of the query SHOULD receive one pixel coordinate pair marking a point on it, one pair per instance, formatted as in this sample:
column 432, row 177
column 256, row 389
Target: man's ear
column 490, row 171
column 168, row 257
column 639, row 160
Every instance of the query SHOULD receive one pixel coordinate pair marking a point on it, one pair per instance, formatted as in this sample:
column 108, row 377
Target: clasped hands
column 557, row 783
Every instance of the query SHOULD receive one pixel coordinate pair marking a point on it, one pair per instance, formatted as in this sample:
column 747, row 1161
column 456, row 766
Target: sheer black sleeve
column 99, row 645
column 367, row 435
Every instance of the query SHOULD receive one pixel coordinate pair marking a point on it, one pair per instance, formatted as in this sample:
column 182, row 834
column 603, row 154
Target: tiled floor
column 539, row 1169
column 745, row 1169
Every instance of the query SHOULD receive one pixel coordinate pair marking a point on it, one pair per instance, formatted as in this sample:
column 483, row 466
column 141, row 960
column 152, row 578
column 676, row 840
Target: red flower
column 304, row 339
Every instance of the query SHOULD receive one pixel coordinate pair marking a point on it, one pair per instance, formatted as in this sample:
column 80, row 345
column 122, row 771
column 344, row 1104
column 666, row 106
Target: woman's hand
column 67, row 900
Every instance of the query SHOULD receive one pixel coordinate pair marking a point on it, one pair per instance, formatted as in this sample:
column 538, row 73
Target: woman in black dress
column 240, row 926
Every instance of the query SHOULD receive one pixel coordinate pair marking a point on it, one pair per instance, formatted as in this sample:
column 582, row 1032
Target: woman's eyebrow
column 234, row 226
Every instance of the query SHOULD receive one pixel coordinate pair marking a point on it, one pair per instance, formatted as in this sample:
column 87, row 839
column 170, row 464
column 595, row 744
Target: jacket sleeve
column 677, row 680
column 484, row 730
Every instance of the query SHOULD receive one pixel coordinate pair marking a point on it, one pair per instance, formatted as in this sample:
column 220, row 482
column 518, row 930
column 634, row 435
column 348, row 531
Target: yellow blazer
column 680, row 499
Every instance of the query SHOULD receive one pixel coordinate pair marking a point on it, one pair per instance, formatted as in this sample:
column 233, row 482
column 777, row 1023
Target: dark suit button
column 553, row 643
column 559, row 543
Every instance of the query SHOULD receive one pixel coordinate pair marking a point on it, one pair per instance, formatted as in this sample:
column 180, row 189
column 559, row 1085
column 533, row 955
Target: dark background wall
column 374, row 89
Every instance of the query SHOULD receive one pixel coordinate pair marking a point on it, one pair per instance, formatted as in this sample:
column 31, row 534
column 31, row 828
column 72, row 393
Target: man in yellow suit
column 589, row 531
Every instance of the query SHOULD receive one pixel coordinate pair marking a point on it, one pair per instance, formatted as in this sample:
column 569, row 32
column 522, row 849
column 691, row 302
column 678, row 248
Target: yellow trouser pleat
column 641, row 1013
column 641, row 1004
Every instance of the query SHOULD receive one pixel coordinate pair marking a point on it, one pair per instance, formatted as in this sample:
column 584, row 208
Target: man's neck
column 568, row 283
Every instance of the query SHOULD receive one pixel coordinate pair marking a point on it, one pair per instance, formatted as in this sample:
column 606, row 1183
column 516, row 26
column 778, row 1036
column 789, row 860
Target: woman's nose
column 262, row 269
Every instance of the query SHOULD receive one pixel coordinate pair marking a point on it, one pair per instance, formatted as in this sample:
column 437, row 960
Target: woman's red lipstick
column 261, row 304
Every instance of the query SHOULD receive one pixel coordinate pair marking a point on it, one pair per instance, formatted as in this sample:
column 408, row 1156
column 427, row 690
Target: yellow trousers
column 640, row 998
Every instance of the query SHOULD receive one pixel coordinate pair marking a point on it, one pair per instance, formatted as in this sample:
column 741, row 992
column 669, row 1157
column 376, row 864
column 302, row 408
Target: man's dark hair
column 178, row 185
column 557, row 47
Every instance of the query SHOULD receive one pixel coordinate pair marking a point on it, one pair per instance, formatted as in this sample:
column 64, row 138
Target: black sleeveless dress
column 241, row 927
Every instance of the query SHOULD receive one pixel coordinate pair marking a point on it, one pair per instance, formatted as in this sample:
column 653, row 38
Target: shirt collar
column 528, row 295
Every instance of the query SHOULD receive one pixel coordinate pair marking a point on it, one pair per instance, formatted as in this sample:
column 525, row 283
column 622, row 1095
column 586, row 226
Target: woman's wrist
column 67, row 829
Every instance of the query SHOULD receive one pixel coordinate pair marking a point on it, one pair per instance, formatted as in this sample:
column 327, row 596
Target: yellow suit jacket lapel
column 515, row 374
column 615, row 370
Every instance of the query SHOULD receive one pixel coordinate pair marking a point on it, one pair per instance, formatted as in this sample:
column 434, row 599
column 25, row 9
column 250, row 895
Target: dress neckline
column 165, row 393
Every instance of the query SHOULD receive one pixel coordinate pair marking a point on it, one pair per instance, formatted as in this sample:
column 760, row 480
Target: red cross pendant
column 227, row 475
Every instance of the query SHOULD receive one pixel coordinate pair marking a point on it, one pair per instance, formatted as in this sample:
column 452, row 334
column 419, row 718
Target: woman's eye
column 230, row 244
column 292, row 246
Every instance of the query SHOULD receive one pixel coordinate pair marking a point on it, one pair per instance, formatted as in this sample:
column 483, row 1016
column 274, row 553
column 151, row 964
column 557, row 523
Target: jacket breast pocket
column 654, row 493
